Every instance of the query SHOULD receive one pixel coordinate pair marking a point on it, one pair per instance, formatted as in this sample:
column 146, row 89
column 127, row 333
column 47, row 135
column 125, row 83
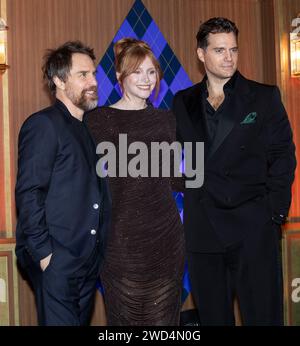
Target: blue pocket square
column 250, row 118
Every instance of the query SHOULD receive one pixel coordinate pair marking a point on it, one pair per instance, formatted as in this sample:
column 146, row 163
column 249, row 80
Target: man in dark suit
column 63, row 207
column 233, row 222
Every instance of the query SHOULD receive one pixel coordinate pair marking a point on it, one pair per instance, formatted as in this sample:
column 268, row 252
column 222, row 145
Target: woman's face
column 140, row 84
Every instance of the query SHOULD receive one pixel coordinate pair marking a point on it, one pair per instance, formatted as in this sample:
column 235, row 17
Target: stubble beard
column 85, row 101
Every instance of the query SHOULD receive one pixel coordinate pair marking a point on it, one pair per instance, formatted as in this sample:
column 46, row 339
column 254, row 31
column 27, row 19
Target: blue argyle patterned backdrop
column 140, row 25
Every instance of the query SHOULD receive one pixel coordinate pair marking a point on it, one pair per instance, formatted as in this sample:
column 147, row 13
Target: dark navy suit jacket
column 63, row 207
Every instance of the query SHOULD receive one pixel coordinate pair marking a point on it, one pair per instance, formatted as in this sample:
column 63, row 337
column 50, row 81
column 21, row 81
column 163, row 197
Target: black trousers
column 251, row 271
column 65, row 299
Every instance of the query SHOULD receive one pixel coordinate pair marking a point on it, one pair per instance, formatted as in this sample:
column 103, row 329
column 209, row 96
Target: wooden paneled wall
column 9, row 305
column 2, row 191
column 35, row 25
column 285, row 11
column 5, row 145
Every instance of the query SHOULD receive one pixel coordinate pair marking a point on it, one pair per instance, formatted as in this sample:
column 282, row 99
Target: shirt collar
column 228, row 86
column 65, row 110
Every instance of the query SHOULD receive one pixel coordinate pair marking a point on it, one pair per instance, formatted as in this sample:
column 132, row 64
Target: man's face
column 221, row 55
column 81, row 84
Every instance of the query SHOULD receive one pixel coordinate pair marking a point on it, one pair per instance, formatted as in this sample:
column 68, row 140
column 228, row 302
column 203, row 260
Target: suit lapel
column 194, row 105
column 85, row 147
column 75, row 131
column 238, row 101
column 226, row 124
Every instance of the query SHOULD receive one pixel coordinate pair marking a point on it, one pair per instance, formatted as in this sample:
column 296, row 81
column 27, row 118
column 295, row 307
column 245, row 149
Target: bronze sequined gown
column 144, row 258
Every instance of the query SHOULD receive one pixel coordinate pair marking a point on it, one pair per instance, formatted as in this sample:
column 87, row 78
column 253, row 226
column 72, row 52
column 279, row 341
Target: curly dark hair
column 213, row 26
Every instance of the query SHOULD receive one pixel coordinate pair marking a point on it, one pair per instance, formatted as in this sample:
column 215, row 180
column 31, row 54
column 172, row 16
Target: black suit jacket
column 60, row 200
column 249, row 166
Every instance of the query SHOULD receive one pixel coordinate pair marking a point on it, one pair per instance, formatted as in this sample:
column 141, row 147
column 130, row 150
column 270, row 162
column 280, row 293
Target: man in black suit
column 233, row 222
column 63, row 207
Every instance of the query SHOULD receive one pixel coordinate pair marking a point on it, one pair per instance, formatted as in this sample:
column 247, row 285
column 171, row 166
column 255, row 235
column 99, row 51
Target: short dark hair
column 58, row 62
column 213, row 26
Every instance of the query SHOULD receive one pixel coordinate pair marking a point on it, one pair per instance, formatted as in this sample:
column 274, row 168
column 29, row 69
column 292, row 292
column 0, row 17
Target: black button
column 242, row 147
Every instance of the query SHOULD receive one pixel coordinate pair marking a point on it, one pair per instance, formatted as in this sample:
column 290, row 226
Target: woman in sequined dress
column 143, row 266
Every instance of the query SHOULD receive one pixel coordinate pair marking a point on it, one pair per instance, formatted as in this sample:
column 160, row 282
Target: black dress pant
column 65, row 299
column 250, row 270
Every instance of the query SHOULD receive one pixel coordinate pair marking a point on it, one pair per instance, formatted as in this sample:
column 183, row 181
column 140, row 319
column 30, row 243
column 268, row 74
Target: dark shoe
column 189, row 318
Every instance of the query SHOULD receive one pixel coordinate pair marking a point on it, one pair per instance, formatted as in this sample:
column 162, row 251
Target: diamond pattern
column 104, row 84
column 155, row 39
column 140, row 25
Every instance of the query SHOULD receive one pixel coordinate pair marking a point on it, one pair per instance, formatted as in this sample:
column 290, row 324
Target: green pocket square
column 250, row 118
